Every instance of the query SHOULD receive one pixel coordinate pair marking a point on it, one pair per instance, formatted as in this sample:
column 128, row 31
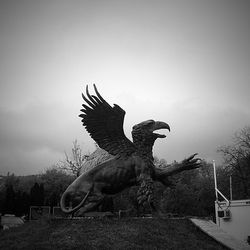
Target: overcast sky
column 183, row 62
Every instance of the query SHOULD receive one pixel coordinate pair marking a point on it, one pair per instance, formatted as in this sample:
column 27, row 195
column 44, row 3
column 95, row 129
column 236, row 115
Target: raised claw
column 191, row 163
column 192, row 156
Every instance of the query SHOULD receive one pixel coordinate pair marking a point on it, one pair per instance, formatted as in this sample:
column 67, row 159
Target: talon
column 191, row 157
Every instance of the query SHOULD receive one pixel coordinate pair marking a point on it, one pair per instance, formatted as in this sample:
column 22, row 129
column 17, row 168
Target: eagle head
column 144, row 131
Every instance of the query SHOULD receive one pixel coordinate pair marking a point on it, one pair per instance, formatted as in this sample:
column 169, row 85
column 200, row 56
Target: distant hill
column 25, row 182
column 108, row 234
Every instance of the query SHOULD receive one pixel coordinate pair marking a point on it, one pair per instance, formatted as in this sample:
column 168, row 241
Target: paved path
column 210, row 228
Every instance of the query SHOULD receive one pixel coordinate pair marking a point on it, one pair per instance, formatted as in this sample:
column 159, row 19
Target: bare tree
column 74, row 163
column 237, row 158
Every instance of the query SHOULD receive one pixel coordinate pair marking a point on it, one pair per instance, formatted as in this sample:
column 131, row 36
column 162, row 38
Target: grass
column 107, row 234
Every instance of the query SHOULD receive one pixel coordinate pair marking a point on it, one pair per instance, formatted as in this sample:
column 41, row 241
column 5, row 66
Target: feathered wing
column 105, row 124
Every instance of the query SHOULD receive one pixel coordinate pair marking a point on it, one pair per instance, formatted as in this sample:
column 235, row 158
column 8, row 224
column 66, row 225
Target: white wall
column 239, row 223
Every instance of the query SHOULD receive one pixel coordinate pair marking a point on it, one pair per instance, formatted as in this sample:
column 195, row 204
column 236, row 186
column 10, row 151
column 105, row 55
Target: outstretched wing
column 105, row 124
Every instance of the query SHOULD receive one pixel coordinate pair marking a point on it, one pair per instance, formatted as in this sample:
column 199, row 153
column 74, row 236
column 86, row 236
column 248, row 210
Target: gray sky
column 183, row 62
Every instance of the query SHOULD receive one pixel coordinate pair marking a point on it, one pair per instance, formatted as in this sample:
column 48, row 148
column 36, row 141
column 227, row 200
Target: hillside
column 107, row 234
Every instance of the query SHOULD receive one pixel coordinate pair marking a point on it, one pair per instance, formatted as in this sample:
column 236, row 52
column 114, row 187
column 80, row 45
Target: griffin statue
column 126, row 163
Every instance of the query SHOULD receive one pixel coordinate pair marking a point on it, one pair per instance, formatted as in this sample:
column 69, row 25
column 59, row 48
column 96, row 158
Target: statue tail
column 71, row 210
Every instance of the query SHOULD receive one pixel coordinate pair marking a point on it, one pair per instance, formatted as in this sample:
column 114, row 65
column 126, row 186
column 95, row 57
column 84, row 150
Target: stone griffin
column 127, row 163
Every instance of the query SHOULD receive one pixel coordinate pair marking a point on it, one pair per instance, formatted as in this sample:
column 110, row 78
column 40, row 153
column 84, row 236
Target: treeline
column 18, row 193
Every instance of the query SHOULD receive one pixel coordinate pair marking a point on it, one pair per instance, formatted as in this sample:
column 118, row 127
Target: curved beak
column 160, row 125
